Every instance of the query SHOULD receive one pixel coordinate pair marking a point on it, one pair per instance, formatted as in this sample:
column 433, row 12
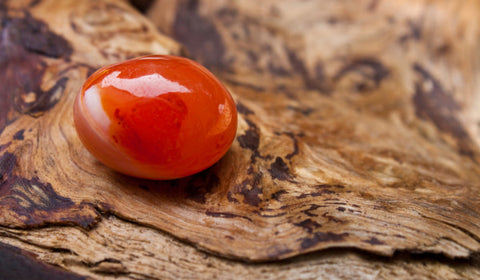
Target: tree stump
column 357, row 153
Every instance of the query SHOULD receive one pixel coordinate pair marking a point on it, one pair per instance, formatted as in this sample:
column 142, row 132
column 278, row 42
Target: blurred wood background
column 357, row 154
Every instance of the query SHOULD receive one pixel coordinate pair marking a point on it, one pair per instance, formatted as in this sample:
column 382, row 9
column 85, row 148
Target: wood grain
column 120, row 249
column 358, row 131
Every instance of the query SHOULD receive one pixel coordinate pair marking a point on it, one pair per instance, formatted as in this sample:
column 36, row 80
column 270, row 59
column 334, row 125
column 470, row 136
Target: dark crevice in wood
column 21, row 265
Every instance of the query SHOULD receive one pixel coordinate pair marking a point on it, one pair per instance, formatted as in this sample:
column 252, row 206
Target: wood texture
column 361, row 117
column 358, row 132
column 120, row 249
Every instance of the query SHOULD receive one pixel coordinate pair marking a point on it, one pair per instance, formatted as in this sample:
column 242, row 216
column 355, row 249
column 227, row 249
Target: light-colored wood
column 118, row 249
column 357, row 132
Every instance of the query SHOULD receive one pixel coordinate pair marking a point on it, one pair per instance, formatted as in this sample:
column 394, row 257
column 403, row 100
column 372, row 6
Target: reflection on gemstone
column 144, row 86
column 95, row 109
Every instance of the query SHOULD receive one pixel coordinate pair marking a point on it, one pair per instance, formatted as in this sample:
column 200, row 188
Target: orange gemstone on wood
column 155, row 117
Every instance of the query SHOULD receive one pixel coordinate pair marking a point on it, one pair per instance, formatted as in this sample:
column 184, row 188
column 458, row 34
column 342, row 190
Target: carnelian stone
column 155, row 117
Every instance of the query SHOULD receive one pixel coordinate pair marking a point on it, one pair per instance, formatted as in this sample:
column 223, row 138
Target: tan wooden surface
column 357, row 153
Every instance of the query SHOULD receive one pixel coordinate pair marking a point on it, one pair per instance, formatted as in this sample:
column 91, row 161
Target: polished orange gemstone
column 155, row 117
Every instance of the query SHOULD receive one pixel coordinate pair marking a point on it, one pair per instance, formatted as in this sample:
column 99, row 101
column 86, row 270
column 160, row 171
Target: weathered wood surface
column 358, row 132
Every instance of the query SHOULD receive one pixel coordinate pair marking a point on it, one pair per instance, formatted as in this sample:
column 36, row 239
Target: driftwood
column 358, row 141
